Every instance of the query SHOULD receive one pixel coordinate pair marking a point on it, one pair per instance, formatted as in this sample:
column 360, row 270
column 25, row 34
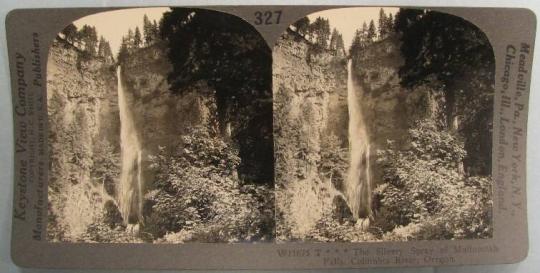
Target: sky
column 115, row 24
column 348, row 20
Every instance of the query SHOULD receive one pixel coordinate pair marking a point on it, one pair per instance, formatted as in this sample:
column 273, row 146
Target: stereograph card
column 269, row 137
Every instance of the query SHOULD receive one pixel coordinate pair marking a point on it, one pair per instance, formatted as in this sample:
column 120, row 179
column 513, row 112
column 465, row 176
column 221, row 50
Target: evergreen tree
column 155, row 31
column 302, row 26
column 107, row 51
column 364, row 32
column 70, row 33
column 364, row 27
column 383, row 20
column 334, row 40
column 390, row 23
column 372, row 32
column 147, row 30
column 89, row 38
column 101, row 47
column 326, row 33
column 137, row 38
column 357, row 43
column 340, row 47
column 130, row 39
column 124, row 51
column 321, row 30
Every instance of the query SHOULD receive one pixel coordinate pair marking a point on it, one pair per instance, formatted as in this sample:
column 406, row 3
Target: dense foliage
column 440, row 44
column 368, row 34
column 455, row 53
column 425, row 187
column 334, row 160
column 234, row 59
column 86, row 40
column 386, row 24
column 106, row 166
column 199, row 197
column 318, row 34
column 423, row 194
column 135, row 39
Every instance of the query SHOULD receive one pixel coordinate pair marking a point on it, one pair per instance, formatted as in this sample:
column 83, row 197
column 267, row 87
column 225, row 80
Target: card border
column 510, row 227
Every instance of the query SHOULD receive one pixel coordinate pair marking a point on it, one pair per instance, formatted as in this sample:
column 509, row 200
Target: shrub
column 106, row 166
column 425, row 187
column 334, row 160
column 199, row 197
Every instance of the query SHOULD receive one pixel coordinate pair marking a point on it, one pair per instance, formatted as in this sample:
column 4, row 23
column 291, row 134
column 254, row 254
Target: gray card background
column 531, row 264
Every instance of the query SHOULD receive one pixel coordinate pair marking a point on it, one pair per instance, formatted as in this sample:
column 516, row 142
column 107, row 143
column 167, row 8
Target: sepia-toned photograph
column 160, row 129
column 383, row 124
column 178, row 125
column 268, row 137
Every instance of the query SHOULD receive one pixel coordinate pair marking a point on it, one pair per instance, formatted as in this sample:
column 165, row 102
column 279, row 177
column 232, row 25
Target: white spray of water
column 358, row 183
column 130, row 198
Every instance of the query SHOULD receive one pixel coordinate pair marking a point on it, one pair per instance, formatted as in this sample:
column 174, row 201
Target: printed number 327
column 267, row 17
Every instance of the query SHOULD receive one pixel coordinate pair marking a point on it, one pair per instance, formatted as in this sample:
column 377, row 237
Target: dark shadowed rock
column 112, row 218
column 341, row 210
column 110, row 186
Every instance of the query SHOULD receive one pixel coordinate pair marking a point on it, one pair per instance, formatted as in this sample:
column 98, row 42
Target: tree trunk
column 222, row 115
column 451, row 118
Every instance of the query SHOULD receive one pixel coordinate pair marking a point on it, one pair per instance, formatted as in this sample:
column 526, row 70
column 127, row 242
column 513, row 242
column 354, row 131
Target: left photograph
column 160, row 129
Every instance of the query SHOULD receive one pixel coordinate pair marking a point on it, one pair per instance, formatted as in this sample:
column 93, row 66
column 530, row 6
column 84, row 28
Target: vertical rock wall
column 309, row 103
column 83, row 114
column 162, row 116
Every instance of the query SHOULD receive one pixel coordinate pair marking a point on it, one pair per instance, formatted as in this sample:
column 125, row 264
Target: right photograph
column 383, row 127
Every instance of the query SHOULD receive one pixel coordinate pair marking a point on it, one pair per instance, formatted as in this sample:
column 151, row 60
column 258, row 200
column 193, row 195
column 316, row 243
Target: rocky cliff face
column 162, row 116
column 83, row 115
column 310, row 99
column 310, row 95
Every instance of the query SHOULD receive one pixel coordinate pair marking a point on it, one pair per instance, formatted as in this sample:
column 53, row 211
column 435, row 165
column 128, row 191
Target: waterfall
column 358, row 183
column 130, row 195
